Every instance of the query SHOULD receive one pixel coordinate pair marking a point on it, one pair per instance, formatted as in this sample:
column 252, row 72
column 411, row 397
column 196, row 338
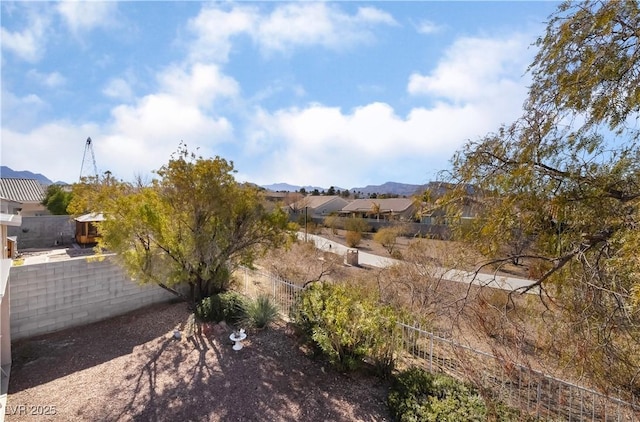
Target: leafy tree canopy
column 562, row 183
column 56, row 199
column 588, row 63
column 194, row 224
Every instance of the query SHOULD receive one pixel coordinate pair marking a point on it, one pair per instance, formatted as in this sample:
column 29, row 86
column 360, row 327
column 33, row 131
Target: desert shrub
column 417, row 395
column 229, row 306
column 332, row 222
column 349, row 325
column 353, row 238
column 387, row 237
column 261, row 312
column 293, row 226
column 358, row 225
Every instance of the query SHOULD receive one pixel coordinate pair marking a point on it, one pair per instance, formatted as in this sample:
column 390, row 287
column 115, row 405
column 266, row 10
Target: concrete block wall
column 53, row 296
column 44, row 231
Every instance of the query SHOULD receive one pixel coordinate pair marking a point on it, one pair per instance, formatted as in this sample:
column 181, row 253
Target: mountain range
column 9, row 173
column 393, row 188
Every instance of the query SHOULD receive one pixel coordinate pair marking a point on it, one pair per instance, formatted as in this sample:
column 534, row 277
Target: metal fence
column 518, row 386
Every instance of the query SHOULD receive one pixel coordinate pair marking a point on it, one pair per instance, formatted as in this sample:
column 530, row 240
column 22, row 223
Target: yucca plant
column 261, row 312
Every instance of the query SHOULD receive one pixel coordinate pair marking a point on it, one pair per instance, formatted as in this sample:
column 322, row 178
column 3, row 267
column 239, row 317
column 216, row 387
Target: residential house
column 22, row 196
column 391, row 209
column 434, row 213
column 318, row 206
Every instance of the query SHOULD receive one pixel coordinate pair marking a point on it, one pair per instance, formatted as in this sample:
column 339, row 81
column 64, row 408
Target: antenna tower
column 88, row 146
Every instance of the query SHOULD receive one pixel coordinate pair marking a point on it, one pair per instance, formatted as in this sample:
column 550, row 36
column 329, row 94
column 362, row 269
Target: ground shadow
column 41, row 359
column 270, row 379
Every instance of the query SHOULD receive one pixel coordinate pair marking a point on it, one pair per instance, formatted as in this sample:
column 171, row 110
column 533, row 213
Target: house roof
column 317, row 201
column 10, row 219
column 386, row 205
column 21, row 190
column 90, row 218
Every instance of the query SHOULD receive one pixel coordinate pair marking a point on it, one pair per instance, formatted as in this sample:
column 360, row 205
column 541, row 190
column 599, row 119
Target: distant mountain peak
column 393, row 188
column 9, row 173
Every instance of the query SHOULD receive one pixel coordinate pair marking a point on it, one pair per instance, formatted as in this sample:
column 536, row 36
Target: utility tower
column 88, row 146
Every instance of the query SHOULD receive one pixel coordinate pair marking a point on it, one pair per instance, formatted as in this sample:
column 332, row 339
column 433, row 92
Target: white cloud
column 143, row 135
column 87, row 15
column 371, row 15
column 20, row 113
column 119, row 89
column 475, row 69
column 214, row 29
column 55, row 149
column 428, row 27
column 140, row 136
column 473, row 89
column 476, row 87
column 317, row 24
column 286, row 27
column 50, row 80
column 199, row 85
column 325, row 145
column 28, row 43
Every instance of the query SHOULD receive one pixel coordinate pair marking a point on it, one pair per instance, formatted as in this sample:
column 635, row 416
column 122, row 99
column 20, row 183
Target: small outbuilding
column 87, row 229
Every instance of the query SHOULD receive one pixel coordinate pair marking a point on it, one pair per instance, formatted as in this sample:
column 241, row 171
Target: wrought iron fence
column 519, row 386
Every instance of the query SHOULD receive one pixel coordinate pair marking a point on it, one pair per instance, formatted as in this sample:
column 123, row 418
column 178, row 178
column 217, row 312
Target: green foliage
column 194, row 224
column 229, row 306
column 588, row 61
column 261, row 312
column 349, row 325
column 57, row 199
column 418, row 396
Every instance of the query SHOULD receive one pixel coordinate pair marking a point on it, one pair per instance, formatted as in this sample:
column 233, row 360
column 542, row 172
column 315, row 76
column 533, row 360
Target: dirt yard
column 131, row 368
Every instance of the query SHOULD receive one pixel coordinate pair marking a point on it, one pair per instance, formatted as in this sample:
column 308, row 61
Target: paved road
column 364, row 258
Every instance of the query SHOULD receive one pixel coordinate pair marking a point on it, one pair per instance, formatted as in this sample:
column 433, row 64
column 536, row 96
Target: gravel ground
column 131, row 368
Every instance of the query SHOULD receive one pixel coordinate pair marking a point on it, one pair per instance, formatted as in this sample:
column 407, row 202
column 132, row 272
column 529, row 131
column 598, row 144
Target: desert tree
column 375, row 210
column 566, row 176
column 194, row 224
column 57, row 199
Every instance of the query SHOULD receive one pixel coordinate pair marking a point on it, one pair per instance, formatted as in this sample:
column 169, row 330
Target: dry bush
column 417, row 284
column 302, row 263
column 388, row 238
column 332, row 222
column 353, row 238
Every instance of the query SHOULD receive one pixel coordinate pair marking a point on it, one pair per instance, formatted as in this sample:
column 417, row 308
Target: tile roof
column 312, row 201
column 21, row 190
column 386, row 205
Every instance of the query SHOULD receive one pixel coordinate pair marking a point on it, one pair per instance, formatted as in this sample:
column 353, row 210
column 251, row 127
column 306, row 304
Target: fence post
column 538, row 394
column 430, row 352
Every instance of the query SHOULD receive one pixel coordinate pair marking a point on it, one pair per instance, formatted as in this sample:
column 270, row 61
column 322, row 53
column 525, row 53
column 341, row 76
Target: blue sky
column 308, row 93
